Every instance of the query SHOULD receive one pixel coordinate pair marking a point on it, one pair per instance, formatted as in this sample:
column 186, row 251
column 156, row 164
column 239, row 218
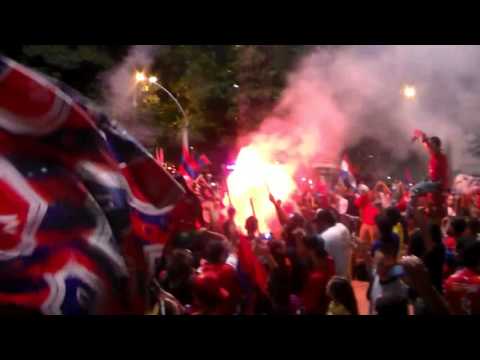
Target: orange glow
column 255, row 174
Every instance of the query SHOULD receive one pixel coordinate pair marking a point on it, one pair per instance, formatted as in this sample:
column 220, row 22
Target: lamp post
column 140, row 77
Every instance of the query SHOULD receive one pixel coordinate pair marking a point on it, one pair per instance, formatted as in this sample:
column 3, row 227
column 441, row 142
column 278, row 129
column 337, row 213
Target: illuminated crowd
column 415, row 245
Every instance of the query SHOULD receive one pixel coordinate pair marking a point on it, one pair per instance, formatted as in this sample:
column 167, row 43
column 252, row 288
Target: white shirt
column 342, row 205
column 338, row 244
column 232, row 260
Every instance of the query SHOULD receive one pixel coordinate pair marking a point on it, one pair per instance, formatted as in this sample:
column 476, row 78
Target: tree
column 261, row 73
column 225, row 90
column 76, row 65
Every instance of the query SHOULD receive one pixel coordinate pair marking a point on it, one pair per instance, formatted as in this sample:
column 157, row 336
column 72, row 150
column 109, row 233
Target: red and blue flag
column 191, row 165
column 85, row 210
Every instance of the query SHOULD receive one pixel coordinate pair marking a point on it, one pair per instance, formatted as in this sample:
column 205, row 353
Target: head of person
column 208, row 294
column 384, row 225
column 340, row 290
column 216, row 252
column 385, row 259
column 471, row 255
column 324, row 219
column 315, row 248
column 251, row 225
column 296, row 220
column 435, row 143
column 180, row 264
column 363, row 189
column 458, row 227
column 231, row 212
column 278, row 248
column 392, row 306
column 393, row 214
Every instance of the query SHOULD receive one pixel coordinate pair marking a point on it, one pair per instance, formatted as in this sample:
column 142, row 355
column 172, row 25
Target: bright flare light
column 256, row 174
column 140, row 76
column 152, row 79
column 409, row 92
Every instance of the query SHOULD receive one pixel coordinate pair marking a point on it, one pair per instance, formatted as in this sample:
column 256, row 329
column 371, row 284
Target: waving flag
column 346, row 173
column 84, row 209
column 188, row 165
column 191, row 166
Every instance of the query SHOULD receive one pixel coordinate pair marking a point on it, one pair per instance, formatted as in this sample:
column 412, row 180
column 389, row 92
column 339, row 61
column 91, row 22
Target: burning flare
column 256, row 174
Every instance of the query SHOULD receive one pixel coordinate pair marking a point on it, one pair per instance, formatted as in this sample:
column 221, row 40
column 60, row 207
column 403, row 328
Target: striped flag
column 85, row 210
column 190, row 166
column 346, row 173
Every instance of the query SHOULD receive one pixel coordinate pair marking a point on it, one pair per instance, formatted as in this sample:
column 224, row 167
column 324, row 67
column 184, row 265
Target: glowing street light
column 409, row 92
column 140, row 76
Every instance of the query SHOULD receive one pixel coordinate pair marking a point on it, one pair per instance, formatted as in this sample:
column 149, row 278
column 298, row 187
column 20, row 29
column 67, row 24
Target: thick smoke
column 337, row 96
column 121, row 90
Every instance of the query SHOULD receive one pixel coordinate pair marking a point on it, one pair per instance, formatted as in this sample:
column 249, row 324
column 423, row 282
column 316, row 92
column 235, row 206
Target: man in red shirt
column 314, row 294
column 462, row 289
column 438, row 180
column 368, row 213
column 216, row 255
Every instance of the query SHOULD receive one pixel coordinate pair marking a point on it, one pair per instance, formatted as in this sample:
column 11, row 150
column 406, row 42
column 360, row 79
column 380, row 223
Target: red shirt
column 314, row 295
column 462, row 292
column 402, row 203
column 228, row 279
column 368, row 211
column 438, row 168
column 450, row 243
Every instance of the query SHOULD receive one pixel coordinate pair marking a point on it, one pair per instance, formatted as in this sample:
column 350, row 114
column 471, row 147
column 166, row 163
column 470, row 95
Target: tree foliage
column 225, row 89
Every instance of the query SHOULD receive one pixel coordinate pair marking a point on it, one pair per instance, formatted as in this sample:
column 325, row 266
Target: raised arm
column 418, row 134
column 282, row 217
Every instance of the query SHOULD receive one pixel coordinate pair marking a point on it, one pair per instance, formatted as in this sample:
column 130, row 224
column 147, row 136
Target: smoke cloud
column 121, row 89
column 337, row 96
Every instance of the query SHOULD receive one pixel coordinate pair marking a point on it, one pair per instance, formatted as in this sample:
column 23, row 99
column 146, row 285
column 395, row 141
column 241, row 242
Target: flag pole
column 253, row 208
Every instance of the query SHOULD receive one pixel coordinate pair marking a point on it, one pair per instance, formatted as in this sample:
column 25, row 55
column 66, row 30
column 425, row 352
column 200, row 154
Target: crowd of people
column 416, row 246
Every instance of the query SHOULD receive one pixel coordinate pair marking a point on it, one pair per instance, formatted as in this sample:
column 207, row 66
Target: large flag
column 84, row 209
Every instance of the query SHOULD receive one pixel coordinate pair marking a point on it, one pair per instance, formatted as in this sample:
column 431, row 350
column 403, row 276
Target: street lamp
column 141, row 77
column 409, row 92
